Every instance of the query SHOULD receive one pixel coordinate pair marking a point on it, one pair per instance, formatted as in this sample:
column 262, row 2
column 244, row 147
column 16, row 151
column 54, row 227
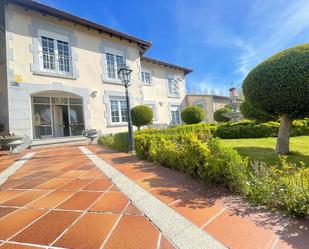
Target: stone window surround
column 34, row 29
column 108, row 95
column 172, row 76
column 147, row 70
column 156, row 113
column 112, row 48
column 170, row 105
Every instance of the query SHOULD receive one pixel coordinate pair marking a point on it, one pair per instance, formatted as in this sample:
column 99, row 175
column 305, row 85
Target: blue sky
column 220, row 39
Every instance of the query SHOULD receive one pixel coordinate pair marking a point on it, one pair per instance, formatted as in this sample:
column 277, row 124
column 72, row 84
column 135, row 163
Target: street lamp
column 124, row 74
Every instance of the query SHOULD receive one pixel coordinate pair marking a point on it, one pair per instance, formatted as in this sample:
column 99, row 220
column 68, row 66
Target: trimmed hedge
column 251, row 129
column 206, row 129
column 285, row 188
column 218, row 115
column 118, row 142
column 211, row 162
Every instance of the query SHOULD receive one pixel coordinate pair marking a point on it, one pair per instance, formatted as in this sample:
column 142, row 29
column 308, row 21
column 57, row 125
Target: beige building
column 209, row 103
column 58, row 74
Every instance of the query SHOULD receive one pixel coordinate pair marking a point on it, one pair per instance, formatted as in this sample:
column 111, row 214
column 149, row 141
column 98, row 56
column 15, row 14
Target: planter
column 5, row 141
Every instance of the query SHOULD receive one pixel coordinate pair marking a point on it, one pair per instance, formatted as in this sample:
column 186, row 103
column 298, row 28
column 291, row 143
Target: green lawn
column 263, row 149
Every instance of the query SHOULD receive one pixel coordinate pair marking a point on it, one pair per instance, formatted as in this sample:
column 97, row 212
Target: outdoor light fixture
column 124, row 74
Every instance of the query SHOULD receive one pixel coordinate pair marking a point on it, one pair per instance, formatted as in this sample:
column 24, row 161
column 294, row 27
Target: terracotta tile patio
column 59, row 198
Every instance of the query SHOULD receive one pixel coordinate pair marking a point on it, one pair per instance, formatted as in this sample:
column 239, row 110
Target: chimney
column 233, row 92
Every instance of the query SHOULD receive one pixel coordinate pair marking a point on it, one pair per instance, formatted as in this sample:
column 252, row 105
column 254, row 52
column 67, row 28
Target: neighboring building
column 58, row 74
column 209, row 103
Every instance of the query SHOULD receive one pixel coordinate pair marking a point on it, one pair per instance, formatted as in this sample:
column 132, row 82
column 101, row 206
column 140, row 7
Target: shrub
column 107, row 140
column 211, row 162
column 280, row 86
column 249, row 112
column 218, row 115
column 118, row 142
column 192, row 115
column 247, row 130
column 141, row 115
column 251, row 129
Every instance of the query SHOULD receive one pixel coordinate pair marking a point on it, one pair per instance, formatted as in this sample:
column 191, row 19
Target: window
column 146, row 77
column 175, row 114
column 55, row 54
column 173, row 87
column 113, row 64
column 119, row 111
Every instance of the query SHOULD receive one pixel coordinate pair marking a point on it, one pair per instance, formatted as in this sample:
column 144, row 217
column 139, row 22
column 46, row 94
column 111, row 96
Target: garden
column 264, row 158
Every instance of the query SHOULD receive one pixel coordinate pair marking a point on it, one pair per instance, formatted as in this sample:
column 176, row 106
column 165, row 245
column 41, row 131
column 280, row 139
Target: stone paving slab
column 60, row 199
column 215, row 210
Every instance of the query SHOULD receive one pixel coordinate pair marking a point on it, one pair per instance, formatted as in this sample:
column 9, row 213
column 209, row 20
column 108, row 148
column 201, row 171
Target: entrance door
column 58, row 121
column 61, row 121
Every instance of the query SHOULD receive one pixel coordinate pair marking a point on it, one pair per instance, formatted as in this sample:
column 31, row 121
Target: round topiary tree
column 280, row 86
column 249, row 112
column 218, row 115
column 192, row 115
column 141, row 115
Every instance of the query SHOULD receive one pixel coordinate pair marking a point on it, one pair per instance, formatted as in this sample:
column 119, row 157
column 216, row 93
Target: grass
column 263, row 149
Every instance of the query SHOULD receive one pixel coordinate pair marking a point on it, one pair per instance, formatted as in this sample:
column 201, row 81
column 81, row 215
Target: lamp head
column 124, row 74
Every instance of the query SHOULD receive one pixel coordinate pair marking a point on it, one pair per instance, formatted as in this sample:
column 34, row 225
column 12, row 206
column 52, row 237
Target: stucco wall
column 157, row 92
column 3, row 73
column 88, row 48
column 210, row 104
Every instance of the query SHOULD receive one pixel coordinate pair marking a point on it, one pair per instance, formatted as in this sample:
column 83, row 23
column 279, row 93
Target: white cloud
column 272, row 26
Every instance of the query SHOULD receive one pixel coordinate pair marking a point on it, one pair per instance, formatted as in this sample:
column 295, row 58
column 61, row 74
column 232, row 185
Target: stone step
column 38, row 143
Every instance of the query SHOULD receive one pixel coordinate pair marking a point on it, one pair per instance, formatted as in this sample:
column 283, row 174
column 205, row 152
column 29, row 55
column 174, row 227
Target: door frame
column 51, row 107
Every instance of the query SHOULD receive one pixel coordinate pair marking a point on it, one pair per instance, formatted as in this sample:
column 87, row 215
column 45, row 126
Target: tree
column 141, row 115
column 192, row 115
column 280, row 86
column 218, row 115
column 249, row 112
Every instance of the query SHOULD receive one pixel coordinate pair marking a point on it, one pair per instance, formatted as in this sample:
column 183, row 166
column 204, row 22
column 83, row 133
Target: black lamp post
column 124, row 74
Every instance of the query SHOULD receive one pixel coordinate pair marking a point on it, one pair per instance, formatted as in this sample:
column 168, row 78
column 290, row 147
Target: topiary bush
column 141, row 115
column 192, row 115
column 249, row 112
column 280, row 86
column 218, row 115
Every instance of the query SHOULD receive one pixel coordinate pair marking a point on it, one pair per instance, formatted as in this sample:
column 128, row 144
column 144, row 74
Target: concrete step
column 38, row 143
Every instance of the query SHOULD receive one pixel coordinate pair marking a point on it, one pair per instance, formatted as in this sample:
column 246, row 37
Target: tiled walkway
column 213, row 209
column 60, row 199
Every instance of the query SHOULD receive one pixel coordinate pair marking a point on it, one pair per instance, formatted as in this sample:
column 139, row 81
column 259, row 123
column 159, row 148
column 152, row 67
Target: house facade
column 209, row 103
column 58, row 74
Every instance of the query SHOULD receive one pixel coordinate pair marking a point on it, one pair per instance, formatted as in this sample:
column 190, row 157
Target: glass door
column 42, row 117
column 76, row 117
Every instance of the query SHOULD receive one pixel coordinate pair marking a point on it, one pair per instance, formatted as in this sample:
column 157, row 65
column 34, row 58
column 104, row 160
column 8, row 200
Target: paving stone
column 45, row 230
column 89, row 232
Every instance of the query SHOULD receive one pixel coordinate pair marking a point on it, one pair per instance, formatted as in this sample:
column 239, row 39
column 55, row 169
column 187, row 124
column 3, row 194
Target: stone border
column 182, row 232
column 14, row 167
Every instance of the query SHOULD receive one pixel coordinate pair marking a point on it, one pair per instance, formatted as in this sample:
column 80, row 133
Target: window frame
column 120, row 115
column 175, row 108
column 170, row 79
column 55, row 37
column 143, row 72
column 115, row 53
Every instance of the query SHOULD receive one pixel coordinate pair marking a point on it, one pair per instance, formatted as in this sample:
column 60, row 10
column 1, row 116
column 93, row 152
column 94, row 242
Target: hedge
column 285, row 188
column 251, row 129
column 118, row 142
